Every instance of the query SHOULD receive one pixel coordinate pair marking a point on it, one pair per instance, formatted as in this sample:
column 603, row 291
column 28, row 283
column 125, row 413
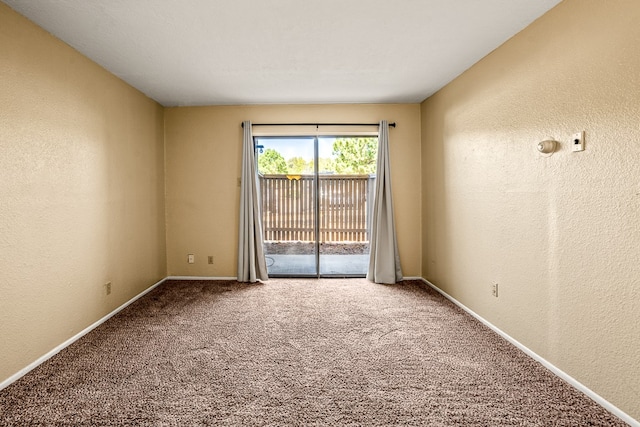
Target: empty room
column 320, row 213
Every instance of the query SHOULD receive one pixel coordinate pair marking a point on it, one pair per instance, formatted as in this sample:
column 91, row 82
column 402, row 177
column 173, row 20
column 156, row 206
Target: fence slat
column 289, row 210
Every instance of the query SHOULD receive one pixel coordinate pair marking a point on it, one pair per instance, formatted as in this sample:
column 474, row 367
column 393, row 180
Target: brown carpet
column 291, row 353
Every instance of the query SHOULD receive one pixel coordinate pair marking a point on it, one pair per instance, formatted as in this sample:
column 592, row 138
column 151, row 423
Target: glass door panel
column 346, row 179
column 288, row 191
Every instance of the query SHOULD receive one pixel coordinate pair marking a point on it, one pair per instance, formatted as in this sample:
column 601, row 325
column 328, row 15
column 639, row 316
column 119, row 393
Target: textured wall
column 203, row 150
column 561, row 235
column 82, row 191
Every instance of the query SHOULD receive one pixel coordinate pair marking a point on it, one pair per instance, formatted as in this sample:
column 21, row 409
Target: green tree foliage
column 272, row 162
column 350, row 156
column 298, row 165
column 355, row 155
column 326, row 164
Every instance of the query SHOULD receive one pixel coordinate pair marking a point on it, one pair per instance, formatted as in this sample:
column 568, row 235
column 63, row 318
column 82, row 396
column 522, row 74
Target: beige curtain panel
column 251, row 262
column 384, row 259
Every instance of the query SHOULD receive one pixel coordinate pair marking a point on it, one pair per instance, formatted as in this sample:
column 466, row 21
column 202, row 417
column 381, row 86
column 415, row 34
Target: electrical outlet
column 191, row 258
column 107, row 288
column 494, row 290
column 210, row 259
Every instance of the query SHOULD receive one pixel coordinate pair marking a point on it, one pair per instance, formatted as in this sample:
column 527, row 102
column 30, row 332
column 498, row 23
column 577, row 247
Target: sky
column 299, row 147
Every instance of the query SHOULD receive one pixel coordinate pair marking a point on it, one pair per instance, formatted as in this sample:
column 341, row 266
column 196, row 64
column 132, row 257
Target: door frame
column 316, row 202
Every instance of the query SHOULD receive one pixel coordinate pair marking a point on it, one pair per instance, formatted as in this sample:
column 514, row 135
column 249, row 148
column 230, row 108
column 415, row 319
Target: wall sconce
column 547, row 148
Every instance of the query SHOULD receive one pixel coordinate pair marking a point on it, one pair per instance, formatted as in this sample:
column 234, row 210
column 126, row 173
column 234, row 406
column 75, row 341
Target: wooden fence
column 288, row 207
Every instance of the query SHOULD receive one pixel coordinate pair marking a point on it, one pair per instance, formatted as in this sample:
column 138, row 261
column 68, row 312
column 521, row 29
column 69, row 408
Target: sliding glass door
column 316, row 201
column 289, row 205
column 345, row 191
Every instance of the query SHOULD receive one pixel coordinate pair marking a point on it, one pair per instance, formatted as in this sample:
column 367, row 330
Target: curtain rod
column 317, row 124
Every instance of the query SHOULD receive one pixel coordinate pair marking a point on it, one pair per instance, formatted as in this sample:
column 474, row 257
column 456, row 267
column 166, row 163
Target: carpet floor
column 291, row 353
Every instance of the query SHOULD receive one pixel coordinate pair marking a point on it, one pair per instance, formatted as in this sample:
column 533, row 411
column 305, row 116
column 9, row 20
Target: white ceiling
column 219, row 52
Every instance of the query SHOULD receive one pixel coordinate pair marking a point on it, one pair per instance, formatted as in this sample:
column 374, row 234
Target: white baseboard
column 558, row 372
column 555, row 370
column 73, row 339
column 199, row 278
column 91, row 327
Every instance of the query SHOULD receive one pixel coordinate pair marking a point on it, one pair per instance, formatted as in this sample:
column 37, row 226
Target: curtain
column 251, row 261
column 384, row 259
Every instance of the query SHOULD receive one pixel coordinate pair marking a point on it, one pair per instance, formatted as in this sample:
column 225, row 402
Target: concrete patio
column 330, row 265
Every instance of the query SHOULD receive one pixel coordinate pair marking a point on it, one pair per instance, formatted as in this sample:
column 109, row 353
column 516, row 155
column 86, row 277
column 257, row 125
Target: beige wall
column 82, row 185
column 82, row 191
column 561, row 235
column 203, row 151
